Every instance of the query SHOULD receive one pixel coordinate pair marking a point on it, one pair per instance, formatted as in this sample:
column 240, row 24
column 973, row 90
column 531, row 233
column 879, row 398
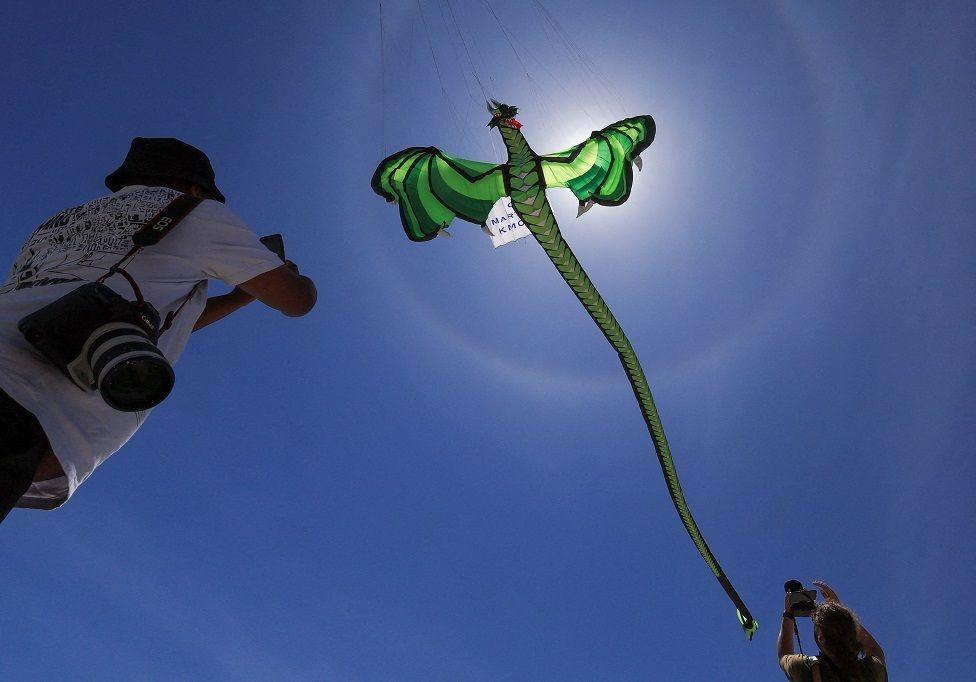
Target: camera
column 103, row 342
column 799, row 602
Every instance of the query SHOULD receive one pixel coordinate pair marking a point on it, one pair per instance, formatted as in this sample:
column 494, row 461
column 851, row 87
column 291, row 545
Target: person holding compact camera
column 839, row 634
column 100, row 304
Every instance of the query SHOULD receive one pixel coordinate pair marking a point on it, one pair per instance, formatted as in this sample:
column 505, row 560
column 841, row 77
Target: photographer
column 67, row 314
column 839, row 634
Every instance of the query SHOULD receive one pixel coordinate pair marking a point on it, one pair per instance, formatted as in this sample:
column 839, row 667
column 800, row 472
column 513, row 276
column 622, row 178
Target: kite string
column 519, row 49
column 467, row 46
column 471, row 100
column 456, row 23
column 510, row 39
column 467, row 51
column 385, row 138
column 455, row 117
column 469, row 58
column 573, row 49
column 457, row 58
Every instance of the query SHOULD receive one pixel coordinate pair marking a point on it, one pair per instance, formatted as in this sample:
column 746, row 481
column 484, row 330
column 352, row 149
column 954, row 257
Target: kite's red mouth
column 512, row 123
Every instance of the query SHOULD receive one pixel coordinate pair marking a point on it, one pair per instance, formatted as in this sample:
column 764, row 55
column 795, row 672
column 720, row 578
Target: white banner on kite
column 503, row 225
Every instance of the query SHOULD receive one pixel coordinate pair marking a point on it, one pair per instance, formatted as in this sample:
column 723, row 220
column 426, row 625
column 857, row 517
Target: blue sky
column 441, row 472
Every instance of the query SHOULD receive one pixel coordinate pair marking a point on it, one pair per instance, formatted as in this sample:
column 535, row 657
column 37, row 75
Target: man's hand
column 827, row 591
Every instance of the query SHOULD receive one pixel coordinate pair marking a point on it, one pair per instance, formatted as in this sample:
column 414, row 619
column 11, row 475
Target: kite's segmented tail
column 546, row 231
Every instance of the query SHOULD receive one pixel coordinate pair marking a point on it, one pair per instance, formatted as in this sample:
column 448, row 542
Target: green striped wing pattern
column 432, row 188
column 599, row 169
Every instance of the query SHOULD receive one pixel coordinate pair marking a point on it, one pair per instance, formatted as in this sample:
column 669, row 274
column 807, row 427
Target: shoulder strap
column 149, row 234
column 164, row 221
column 158, row 227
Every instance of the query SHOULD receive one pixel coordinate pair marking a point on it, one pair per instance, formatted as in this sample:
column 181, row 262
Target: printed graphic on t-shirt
column 93, row 235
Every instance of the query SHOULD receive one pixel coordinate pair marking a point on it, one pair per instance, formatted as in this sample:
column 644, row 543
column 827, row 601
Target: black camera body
column 102, row 341
column 799, row 602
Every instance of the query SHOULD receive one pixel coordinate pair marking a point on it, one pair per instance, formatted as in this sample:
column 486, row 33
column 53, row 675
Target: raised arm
column 283, row 289
column 784, row 643
column 219, row 307
column 867, row 641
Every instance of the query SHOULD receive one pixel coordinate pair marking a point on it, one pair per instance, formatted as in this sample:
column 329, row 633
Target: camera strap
column 796, row 630
column 163, row 222
column 150, row 234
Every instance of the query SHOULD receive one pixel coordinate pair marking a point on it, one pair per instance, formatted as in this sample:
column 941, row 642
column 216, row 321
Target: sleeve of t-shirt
column 228, row 249
column 796, row 667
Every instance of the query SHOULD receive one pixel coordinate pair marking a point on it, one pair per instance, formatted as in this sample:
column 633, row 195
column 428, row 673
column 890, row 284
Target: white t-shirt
column 78, row 245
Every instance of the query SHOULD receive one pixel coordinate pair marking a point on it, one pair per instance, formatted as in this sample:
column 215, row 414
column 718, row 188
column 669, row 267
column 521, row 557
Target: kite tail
column 546, row 232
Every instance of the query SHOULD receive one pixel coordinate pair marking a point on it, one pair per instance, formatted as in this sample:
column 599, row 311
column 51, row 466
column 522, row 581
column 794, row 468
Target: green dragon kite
column 432, row 188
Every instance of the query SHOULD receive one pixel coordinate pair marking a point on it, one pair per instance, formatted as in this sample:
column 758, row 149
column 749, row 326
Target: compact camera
column 103, row 342
column 799, row 602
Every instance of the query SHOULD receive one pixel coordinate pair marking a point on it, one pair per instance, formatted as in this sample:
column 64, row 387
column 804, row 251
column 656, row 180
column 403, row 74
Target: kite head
column 502, row 115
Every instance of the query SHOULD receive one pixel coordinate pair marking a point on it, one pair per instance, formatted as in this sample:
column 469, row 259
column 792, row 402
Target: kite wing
column 433, row 188
column 599, row 169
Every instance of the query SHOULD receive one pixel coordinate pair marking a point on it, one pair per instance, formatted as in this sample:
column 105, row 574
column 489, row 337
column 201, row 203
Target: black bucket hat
column 165, row 157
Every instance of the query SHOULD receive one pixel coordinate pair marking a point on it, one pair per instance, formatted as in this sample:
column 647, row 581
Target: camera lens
column 137, row 383
column 130, row 371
